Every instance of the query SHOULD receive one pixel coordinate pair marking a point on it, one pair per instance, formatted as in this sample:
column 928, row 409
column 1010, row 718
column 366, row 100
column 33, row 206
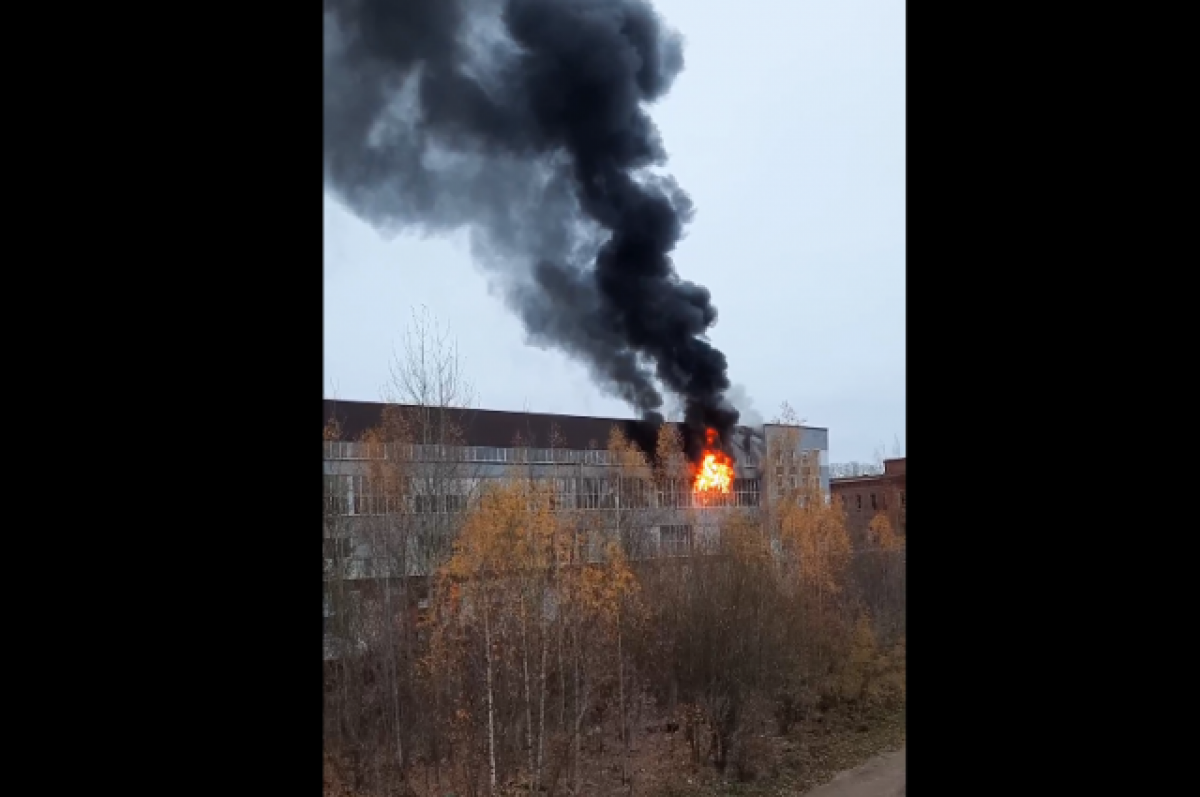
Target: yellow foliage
column 815, row 532
column 602, row 594
column 869, row 672
column 891, row 679
column 668, row 452
column 390, row 478
column 628, row 457
column 882, row 535
column 743, row 538
column 512, row 529
column 515, row 552
column 863, row 655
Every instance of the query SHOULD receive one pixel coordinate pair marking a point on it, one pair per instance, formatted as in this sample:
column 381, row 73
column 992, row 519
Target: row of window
column 673, row 540
column 809, row 456
column 346, row 450
column 382, row 505
column 347, row 505
column 877, row 503
column 852, row 470
column 352, row 495
column 794, row 482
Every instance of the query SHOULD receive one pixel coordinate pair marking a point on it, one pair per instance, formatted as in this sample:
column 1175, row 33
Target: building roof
column 495, row 427
column 892, row 469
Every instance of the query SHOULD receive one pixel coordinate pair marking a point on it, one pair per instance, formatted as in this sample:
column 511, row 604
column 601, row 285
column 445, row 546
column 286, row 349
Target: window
column 902, row 504
column 634, row 493
column 589, row 494
column 873, row 506
column 668, row 494
column 745, row 492
column 362, row 499
column 336, row 548
column 674, row 540
column 563, row 495
column 335, row 495
column 858, row 499
column 608, row 493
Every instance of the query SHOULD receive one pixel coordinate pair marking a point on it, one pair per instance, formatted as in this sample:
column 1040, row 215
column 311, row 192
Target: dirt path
column 882, row 776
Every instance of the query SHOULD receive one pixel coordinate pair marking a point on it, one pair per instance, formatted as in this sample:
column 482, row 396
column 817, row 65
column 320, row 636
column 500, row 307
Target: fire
column 715, row 473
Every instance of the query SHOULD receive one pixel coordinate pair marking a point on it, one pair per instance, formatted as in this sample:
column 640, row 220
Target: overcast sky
column 787, row 128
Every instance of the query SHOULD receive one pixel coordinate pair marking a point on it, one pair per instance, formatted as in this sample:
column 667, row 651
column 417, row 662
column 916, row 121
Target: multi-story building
column 363, row 524
column 571, row 451
column 865, row 497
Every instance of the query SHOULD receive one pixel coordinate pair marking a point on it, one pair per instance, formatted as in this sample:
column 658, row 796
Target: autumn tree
column 632, row 512
column 880, row 575
column 499, row 580
column 598, row 601
column 549, row 616
column 363, row 722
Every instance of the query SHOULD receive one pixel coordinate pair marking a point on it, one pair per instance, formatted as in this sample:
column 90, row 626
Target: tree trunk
column 579, row 711
column 537, row 772
column 487, row 638
column 528, row 696
column 621, row 703
column 392, row 652
column 562, row 675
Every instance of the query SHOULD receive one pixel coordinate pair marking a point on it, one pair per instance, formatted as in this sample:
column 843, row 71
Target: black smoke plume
column 524, row 122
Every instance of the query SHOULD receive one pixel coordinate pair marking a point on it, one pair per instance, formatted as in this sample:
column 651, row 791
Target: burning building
column 374, row 536
column 570, row 453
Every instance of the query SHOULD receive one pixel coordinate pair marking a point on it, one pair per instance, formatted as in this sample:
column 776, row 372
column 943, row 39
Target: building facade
column 568, row 451
column 865, row 497
column 373, row 539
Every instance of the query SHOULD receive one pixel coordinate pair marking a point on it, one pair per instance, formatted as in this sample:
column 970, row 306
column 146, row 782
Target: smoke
column 524, row 122
column 741, row 401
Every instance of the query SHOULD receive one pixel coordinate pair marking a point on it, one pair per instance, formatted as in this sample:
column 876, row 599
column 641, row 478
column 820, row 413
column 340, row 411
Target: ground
column 841, row 752
column 813, row 753
column 882, row 776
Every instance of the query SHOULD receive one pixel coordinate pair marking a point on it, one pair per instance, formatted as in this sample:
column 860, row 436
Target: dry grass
column 837, row 734
column 765, row 765
column 811, row 755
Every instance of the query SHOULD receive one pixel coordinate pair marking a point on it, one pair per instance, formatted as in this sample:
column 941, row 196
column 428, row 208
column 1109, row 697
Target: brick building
column 864, row 497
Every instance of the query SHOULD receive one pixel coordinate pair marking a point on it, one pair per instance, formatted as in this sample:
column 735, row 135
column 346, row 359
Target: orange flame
column 715, row 473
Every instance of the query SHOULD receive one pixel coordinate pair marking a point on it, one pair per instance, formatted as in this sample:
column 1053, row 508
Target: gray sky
column 787, row 128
